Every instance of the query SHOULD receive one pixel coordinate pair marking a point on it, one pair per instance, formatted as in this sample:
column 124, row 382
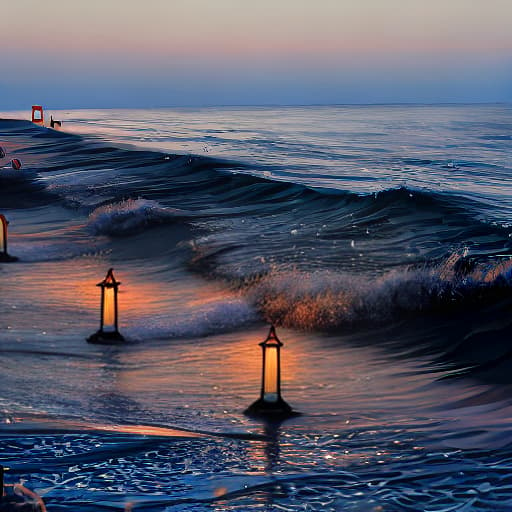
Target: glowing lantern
column 108, row 332
column 3, row 234
column 4, row 256
column 270, row 402
column 37, row 114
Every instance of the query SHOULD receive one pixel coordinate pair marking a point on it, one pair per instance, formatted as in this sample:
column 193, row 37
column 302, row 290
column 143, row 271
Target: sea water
column 377, row 239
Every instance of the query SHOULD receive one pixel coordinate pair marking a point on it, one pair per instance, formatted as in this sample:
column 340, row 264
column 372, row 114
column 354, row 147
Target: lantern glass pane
column 270, row 382
column 2, row 237
column 109, row 310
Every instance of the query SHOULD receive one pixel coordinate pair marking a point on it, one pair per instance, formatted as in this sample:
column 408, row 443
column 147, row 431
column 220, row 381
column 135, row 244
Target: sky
column 156, row 53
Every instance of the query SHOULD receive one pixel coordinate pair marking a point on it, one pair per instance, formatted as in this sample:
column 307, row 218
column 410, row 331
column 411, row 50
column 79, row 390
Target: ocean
column 376, row 239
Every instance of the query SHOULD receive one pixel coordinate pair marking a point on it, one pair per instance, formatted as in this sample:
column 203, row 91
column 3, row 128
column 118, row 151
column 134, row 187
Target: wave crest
column 130, row 216
column 328, row 300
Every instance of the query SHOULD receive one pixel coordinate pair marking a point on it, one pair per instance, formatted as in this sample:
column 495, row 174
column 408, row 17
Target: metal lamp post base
column 7, row 258
column 106, row 338
column 276, row 410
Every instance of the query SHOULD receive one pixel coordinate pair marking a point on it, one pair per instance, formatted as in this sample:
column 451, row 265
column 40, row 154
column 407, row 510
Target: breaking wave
column 327, row 300
column 130, row 216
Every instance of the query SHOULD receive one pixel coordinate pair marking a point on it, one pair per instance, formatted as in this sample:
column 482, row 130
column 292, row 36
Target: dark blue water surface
column 378, row 241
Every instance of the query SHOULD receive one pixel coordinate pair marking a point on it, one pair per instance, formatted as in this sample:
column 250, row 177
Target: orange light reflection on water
column 147, row 430
column 63, row 284
column 225, row 366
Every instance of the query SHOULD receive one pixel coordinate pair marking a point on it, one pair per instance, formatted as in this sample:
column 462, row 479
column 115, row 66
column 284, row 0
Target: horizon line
column 272, row 105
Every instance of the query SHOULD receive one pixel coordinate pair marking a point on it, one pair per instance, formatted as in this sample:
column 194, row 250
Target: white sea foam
column 129, row 216
column 326, row 299
column 214, row 318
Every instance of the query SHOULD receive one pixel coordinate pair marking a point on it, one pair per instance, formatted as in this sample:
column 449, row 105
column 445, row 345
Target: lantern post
column 271, row 403
column 2, row 488
column 5, row 257
column 108, row 331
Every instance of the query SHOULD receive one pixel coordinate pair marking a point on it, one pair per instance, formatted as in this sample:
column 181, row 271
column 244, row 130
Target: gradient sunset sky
column 152, row 53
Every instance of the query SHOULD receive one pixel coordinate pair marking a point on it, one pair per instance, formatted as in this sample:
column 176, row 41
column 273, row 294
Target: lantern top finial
column 272, row 339
column 110, row 280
